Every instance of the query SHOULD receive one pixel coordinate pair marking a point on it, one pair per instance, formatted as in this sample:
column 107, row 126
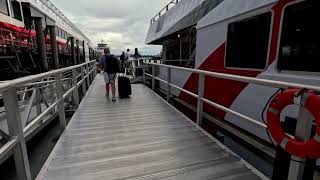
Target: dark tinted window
column 16, row 10
column 300, row 38
column 57, row 29
column 4, row 7
column 59, row 34
column 247, row 43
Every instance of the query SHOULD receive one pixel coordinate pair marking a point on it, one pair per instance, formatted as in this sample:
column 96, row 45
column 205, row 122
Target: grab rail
column 165, row 9
column 10, row 92
column 201, row 86
column 304, row 123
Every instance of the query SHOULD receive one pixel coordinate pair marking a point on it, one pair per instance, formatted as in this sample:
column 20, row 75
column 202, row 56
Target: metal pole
column 75, row 92
column 153, row 83
column 41, row 44
column 303, row 132
column 78, row 52
column 54, row 47
column 95, row 71
column 73, row 51
column 38, row 100
column 144, row 74
column 15, row 130
column 200, row 96
column 52, row 93
column 180, row 49
column 84, row 51
column 59, row 89
column 84, row 88
column 90, row 75
column 169, row 86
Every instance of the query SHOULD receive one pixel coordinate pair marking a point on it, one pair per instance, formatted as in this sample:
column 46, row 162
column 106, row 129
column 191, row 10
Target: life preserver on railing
column 311, row 148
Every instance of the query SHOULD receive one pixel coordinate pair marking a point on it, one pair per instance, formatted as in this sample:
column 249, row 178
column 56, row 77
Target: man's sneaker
column 113, row 99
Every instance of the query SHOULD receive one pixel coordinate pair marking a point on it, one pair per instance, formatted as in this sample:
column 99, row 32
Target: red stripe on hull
column 25, row 33
column 218, row 90
column 222, row 91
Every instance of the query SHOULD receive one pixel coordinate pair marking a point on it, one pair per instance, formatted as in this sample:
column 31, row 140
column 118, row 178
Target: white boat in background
column 99, row 49
column 18, row 47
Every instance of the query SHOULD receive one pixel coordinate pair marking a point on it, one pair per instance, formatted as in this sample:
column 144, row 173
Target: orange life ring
column 311, row 148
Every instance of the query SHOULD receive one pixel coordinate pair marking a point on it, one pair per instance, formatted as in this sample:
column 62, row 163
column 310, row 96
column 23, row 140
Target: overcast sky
column 121, row 23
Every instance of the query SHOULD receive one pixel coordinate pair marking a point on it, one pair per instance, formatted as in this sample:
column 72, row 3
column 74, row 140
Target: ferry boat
column 100, row 49
column 19, row 52
column 269, row 39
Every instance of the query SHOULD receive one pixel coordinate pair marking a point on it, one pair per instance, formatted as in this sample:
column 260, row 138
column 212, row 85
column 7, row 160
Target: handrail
column 258, row 81
column 58, row 95
column 29, row 79
column 201, row 84
column 304, row 123
column 216, row 105
column 8, row 146
column 166, row 9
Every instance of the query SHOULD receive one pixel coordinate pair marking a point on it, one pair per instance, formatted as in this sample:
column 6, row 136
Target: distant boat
column 100, row 48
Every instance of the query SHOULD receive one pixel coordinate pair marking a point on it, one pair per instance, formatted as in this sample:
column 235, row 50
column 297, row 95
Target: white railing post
column 52, row 93
column 153, row 81
column 169, row 85
column 303, row 132
column 88, row 75
column 84, row 88
column 144, row 74
column 15, row 130
column 91, row 74
column 61, row 110
column 74, row 84
column 38, row 100
column 95, row 71
column 200, row 96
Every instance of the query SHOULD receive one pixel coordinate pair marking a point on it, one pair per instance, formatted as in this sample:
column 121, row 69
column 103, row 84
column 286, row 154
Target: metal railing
column 304, row 124
column 164, row 10
column 60, row 85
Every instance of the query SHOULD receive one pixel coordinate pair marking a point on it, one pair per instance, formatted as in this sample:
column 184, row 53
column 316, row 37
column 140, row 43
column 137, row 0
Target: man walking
column 110, row 65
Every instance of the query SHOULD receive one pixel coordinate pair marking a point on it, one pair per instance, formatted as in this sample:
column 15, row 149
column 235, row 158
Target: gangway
column 138, row 138
column 143, row 137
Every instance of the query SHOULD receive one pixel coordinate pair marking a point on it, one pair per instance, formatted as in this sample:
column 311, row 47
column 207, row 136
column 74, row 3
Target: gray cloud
column 121, row 23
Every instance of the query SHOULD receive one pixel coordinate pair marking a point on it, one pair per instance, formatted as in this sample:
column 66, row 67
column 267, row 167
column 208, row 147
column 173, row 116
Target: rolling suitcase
column 124, row 87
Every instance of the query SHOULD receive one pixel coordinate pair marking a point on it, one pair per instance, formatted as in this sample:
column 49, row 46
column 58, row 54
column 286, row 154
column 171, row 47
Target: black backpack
column 112, row 64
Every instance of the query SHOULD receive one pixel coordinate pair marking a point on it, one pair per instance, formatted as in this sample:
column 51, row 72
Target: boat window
column 4, row 7
column 248, row 42
column 16, row 10
column 59, row 33
column 63, row 34
column 56, row 30
column 300, row 38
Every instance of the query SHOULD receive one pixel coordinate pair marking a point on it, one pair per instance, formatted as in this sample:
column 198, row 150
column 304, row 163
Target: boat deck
column 138, row 138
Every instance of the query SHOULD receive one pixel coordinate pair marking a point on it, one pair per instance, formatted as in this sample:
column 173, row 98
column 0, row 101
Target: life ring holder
column 311, row 148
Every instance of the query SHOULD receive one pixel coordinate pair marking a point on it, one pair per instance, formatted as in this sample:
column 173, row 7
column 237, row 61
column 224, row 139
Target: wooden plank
column 123, row 140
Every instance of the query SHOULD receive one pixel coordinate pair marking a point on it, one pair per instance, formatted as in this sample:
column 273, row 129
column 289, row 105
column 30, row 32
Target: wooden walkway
column 138, row 138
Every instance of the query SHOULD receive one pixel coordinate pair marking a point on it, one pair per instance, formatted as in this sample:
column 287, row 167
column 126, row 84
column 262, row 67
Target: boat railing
column 164, row 10
column 44, row 95
column 304, row 123
column 201, row 86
